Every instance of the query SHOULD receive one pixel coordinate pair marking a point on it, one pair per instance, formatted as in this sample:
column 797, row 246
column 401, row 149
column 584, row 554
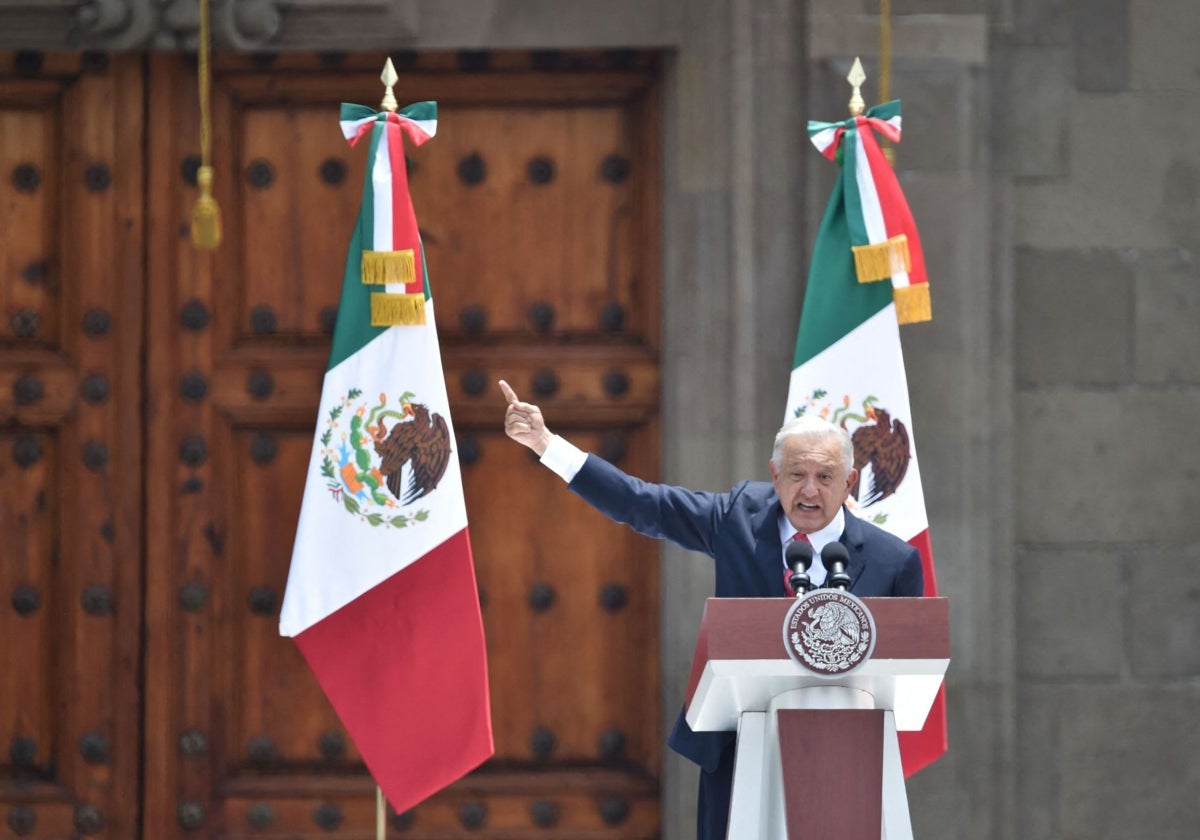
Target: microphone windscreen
column 798, row 555
column 834, row 552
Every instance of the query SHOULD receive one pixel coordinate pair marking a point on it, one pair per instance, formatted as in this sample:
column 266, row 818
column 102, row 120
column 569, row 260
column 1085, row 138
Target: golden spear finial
column 856, row 79
column 389, row 78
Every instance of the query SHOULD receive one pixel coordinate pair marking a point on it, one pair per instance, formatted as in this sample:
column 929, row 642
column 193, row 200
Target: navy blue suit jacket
column 739, row 529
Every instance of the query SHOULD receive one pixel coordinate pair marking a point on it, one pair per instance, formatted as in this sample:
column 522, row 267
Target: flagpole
column 380, row 814
column 389, row 104
column 885, row 68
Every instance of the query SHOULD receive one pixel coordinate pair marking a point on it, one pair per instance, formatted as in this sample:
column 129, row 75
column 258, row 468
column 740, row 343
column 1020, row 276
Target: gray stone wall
column 1094, row 134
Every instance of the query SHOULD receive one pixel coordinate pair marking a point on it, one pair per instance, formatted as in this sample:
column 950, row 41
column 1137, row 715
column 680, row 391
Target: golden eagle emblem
column 883, row 445
column 373, row 469
column 423, row 443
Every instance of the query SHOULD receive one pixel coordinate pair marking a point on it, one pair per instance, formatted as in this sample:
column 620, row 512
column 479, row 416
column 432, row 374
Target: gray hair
column 811, row 427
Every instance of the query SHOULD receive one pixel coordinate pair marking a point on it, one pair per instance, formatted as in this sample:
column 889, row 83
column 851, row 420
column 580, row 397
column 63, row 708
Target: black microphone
column 835, row 558
column 799, row 556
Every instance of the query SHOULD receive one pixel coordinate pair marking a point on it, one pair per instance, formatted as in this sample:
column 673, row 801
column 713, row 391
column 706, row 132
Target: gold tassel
column 913, row 304
column 206, row 215
column 881, row 261
column 389, row 310
column 382, row 267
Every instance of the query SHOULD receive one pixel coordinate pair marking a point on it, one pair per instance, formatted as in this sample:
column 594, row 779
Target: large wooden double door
column 156, row 412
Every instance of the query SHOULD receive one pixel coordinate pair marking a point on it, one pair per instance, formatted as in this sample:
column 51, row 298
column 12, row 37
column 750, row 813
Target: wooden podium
column 817, row 756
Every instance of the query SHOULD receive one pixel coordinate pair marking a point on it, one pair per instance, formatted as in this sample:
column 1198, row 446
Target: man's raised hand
column 523, row 421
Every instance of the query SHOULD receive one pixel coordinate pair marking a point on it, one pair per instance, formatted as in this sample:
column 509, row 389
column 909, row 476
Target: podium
column 817, row 756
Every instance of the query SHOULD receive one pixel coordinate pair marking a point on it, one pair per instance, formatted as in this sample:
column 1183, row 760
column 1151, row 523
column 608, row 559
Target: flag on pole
column 381, row 596
column 848, row 365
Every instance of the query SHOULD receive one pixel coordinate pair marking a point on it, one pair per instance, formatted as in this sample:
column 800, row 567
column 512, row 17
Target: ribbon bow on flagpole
column 395, row 258
column 883, row 235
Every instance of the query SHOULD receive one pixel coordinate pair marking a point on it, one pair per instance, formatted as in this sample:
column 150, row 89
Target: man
column 745, row 531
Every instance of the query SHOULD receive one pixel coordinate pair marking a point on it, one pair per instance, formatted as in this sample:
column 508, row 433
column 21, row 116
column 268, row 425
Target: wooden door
column 71, row 130
column 538, row 205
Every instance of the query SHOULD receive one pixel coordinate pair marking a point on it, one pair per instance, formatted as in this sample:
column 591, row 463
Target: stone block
column 1074, row 318
column 1101, row 38
column 1043, row 22
column 1164, row 611
column 944, row 115
column 1107, row 467
column 1179, row 207
column 840, row 31
column 1032, row 90
column 1163, row 55
column 1108, row 762
column 1069, row 613
column 954, row 217
column 1126, row 762
column 958, row 796
column 1167, row 329
column 1134, row 176
column 700, row 152
column 1038, row 762
column 549, row 24
column 904, row 8
column 976, row 579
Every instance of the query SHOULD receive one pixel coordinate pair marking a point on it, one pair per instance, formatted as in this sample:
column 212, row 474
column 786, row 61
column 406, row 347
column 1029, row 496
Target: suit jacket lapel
column 852, row 538
column 768, row 552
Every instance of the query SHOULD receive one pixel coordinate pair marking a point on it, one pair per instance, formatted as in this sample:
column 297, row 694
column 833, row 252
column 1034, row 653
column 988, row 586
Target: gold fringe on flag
column 912, row 304
column 382, row 267
column 390, row 310
column 881, row 261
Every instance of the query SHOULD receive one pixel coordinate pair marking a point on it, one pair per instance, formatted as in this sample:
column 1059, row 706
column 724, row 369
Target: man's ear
column 851, row 477
column 771, row 467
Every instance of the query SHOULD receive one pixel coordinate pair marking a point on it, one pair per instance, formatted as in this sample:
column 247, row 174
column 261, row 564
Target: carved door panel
column 70, row 449
column 538, row 205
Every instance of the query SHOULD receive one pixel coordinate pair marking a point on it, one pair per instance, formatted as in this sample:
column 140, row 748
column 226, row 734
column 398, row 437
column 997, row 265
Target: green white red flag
column 849, row 366
column 381, row 596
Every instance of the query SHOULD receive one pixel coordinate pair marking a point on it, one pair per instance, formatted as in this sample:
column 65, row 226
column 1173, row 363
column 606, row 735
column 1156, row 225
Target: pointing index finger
column 509, row 393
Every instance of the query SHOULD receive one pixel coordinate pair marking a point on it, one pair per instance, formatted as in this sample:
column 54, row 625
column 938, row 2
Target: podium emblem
column 829, row 632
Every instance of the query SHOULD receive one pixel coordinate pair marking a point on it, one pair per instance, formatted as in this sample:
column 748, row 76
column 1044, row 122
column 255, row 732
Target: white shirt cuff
column 564, row 457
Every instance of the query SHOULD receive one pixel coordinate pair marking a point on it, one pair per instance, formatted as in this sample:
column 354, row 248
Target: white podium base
column 758, row 808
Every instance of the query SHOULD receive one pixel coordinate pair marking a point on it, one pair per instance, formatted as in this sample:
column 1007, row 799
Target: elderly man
column 745, row 531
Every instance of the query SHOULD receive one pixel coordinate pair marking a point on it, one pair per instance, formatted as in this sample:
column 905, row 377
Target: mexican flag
column 849, row 366
column 381, row 596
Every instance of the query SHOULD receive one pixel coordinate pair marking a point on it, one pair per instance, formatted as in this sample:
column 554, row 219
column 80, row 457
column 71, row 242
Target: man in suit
column 745, row 530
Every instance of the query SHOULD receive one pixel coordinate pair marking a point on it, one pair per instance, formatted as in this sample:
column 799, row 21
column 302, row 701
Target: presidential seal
column 829, row 632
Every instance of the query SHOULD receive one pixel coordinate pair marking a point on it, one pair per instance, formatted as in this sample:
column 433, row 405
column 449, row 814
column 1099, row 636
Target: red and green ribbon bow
column 883, row 235
column 391, row 241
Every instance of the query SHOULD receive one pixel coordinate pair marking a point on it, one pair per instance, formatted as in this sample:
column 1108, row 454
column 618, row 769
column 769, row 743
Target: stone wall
column 1098, row 101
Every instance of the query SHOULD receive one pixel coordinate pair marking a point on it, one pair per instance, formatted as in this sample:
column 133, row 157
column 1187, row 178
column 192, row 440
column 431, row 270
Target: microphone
column 835, row 558
column 799, row 556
